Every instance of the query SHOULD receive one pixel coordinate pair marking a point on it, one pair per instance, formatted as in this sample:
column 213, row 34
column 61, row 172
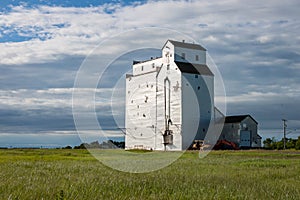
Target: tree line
column 271, row 143
column 109, row 144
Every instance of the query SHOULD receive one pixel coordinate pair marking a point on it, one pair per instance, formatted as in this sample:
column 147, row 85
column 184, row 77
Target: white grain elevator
column 170, row 99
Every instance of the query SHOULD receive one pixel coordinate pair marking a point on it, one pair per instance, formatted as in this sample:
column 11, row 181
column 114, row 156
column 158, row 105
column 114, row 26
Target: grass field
column 75, row 174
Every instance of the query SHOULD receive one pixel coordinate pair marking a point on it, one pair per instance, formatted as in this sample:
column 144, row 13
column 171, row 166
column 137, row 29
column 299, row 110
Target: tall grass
column 75, row 174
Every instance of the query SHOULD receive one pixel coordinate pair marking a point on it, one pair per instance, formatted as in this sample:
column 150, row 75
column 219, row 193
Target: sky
column 43, row 45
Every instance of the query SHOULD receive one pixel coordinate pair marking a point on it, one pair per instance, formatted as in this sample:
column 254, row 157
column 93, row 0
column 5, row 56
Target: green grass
column 75, row 174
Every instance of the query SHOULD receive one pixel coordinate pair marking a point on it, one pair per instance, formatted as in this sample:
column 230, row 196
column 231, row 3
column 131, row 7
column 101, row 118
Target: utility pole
column 284, row 132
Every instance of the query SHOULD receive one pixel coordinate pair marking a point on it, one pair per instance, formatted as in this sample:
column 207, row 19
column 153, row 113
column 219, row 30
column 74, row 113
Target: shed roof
column 238, row 118
column 187, row 45
column 194, row 68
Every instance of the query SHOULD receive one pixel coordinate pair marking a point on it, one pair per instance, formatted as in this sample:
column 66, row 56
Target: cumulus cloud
column 55, row 31
column 254, row 44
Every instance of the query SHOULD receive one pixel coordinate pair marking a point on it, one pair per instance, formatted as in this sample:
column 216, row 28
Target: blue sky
column 43, row 44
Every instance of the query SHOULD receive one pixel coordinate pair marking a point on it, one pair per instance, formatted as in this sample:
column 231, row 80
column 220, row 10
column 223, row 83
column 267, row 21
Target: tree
column 297, row 144
column 279, row 145
column 290, row 143
column 269, row 143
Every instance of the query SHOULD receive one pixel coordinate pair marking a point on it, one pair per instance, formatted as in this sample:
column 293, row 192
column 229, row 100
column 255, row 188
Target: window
column 198, row 87
column 153, row 65
column 196, row 76
column 168, row 66
column 197, row 58
column 142, row 68
column 183, row 55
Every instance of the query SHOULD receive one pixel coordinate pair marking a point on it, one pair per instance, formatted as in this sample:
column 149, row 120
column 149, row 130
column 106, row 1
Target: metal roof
column 194, row 68
column 237, row 118
column 187, row 45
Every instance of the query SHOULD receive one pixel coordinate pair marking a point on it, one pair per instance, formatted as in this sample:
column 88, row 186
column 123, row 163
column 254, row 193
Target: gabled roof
column 237, row 118
column 194, row 68
column 187, row 45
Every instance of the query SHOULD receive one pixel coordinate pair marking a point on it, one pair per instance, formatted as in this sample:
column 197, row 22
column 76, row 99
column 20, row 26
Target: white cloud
column 242, row 40
column 264, row 39
column 59, row 31
column 53, row 98
column 252, row 96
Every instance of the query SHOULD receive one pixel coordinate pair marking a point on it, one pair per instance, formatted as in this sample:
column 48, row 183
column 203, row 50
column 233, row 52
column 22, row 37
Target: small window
column 203, row 130
column 198, row 87
column 196, row 76
column 142, row 68
column 153, row 65
column 168, row 66
column 183, row 55
column 197, row 58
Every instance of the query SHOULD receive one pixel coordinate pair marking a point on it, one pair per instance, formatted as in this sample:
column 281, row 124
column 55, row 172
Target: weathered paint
column 191, row 101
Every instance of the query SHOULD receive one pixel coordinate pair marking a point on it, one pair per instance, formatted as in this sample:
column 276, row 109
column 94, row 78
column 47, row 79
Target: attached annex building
column 242, row 130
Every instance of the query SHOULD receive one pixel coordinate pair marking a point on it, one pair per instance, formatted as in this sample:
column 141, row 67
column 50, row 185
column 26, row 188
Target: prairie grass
column 75, row 174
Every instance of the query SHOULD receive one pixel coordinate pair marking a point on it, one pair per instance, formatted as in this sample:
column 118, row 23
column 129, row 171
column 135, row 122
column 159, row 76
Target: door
column 245, row 138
